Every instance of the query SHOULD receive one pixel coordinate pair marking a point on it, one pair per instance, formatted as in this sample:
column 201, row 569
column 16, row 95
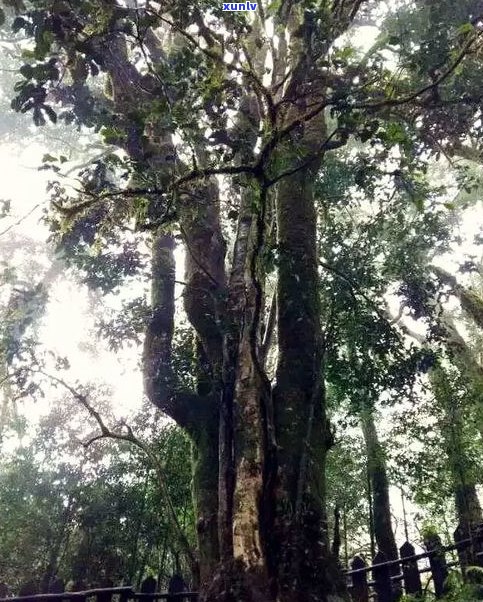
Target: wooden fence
column 389, row 579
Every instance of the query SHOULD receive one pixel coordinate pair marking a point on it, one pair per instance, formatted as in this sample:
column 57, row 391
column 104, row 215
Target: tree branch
column 471, row 303
column 129, row 437
column 329, row 144
column 269, row 330
column 414, row 95
column 217, row 56
column 355, row 289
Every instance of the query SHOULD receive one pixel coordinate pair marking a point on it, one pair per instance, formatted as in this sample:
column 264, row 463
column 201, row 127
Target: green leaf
column 466, row 28
column 273, row 7
column 5, row 206
column 393, row 40
column 18, row 24
column 418, row 201
column 27, row 71
column 112, row 135
column 49, row 158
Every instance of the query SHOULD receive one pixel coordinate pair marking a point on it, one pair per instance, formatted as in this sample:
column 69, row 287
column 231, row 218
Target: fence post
column 105, row 596
column 124, row 597
column 382, row 577
column 148, row 586
column 78, row 585
column 30, row 588
column 412, row 580
column 57, row 586
column 437, row 562
column 176, row 585
column 359, row 590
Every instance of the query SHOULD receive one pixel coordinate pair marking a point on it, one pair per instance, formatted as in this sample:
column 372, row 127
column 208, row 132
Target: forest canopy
column 264, row 230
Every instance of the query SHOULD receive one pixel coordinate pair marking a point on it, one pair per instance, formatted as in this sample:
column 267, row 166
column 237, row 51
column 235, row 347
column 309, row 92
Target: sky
column 67, row 327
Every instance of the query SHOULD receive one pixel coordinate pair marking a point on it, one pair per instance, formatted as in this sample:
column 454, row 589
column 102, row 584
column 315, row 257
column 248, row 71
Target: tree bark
column 381, row 505
column 467, row 505
column 197, row 414
column 273, row 541
column 471, row 303
column 205, row 494
column 306, row 569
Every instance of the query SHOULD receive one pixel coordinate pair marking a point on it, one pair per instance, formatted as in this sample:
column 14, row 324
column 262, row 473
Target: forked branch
column 128, row 436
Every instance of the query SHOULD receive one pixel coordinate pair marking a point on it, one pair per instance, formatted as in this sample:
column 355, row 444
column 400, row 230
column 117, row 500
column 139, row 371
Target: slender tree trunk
column 197, row 414
column 381, row 506
column 471, row 303
column 467, row 505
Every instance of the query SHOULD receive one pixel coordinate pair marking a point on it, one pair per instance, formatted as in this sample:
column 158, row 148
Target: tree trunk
column 272, row 529
column 197, row 414
column 205, row 496
column 471, row 303
column 381, row 506
column 468, row 507
column 462, row 468
column 304, row 565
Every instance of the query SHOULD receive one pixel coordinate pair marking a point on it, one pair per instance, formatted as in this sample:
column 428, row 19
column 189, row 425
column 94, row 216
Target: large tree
column 212, row 113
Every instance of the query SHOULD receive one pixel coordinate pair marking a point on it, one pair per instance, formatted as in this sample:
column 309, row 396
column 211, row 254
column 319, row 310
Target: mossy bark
column 377, row 471
column 205, row 496
column 471, row 303
column 454, row 438
column 467, row 504
column 243, row 381
column 305, row 567
column 247, row 546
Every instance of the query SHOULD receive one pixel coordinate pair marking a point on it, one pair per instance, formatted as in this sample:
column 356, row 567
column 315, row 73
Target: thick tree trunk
column 249, row 456
column 205, row 495
column 273, row 540
column 243, row 572
column 381, row 506
column 468, row 509
column 305, row 567
column 197, row 414
column 204, row 267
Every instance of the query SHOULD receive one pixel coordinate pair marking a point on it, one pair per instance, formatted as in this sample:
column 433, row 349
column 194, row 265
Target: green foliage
column 373, row 242
column 90, row 515
column 347, row 490
column 460, row 590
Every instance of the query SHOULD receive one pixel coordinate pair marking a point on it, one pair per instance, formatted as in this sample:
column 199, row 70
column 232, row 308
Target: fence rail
column 106, row 594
